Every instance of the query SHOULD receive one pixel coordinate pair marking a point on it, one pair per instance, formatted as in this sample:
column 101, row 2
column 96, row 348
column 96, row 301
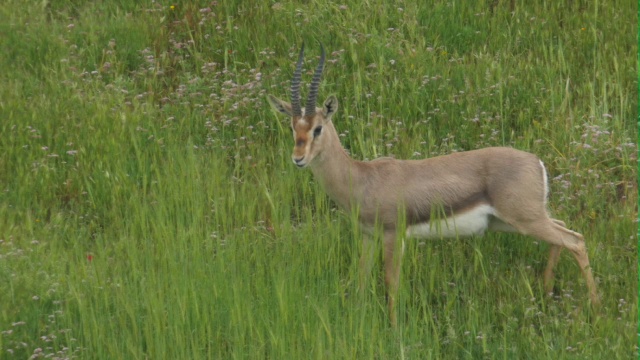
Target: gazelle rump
column 461, row 194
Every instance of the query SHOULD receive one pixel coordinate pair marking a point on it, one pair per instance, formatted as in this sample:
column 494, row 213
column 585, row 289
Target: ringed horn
column 310, row 108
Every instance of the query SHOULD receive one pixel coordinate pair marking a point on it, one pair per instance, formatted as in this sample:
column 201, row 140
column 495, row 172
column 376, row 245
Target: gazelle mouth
column 299, row 162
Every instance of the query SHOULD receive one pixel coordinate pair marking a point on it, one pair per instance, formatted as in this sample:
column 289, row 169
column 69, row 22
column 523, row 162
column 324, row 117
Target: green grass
column 149, row 207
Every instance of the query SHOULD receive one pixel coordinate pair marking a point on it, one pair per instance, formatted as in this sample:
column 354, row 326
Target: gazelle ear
column 330, row 107
column 280, row 105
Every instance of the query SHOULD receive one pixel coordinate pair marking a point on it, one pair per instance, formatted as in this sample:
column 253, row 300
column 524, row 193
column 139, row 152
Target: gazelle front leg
column 367, row 259
column 392, row 265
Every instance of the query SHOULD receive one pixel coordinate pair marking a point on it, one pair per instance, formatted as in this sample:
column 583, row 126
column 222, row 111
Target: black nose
column 298, row 161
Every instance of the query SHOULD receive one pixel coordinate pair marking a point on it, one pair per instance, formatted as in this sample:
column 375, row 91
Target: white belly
column 472, row 222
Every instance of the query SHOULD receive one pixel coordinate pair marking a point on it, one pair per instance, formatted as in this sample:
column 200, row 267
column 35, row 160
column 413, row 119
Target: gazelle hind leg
column 554, row 256
column 498, row 224
column 582, row 257
column 559, row 222
column 557, row 235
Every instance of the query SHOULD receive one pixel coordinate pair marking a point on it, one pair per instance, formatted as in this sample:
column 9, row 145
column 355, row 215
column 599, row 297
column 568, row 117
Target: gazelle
column 499, row 188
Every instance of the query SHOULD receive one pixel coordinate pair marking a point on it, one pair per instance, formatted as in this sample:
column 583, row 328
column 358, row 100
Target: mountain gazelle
column 498, row 188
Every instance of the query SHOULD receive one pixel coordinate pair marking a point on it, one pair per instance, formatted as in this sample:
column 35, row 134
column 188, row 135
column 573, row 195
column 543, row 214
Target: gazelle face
column 305, row 132
column 310, row 135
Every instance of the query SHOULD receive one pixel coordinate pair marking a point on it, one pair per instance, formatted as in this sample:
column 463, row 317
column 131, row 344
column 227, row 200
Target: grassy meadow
column 149, row 208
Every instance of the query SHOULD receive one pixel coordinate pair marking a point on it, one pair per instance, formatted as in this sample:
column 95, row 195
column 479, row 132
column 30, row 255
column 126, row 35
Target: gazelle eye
column 317, row 131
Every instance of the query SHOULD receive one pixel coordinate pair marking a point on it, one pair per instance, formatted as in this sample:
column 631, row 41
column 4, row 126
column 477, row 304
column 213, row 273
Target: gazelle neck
column 338, row 174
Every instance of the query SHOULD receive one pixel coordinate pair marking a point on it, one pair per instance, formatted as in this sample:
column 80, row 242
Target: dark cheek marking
column 300, row 143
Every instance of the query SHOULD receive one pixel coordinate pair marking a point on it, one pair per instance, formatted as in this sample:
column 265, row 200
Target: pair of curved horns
column 310, row 108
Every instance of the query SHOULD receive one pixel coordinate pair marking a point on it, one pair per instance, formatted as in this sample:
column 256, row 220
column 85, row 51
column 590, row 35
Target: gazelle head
column 310, row 124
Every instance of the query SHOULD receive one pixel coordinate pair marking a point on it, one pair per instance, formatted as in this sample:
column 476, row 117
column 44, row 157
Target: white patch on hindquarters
column 471, row 222
column 545, row 182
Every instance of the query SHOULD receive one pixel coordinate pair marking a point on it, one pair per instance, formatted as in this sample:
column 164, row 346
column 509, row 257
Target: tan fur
column 510, row 181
